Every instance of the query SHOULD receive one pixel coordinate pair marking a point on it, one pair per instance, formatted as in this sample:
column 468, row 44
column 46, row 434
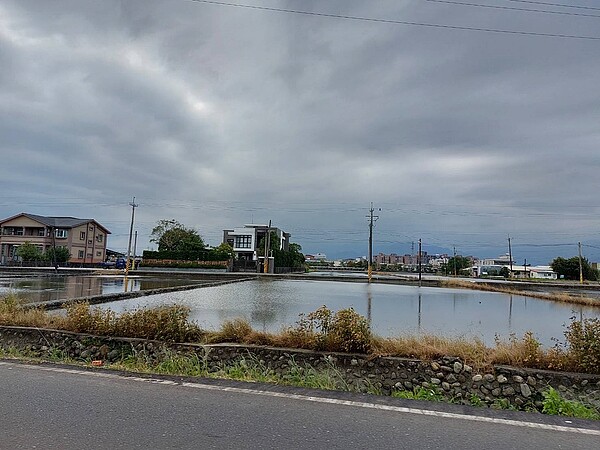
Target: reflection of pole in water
column 419, row 314
column 369, row 297
column 510, row 312
column 454, row 303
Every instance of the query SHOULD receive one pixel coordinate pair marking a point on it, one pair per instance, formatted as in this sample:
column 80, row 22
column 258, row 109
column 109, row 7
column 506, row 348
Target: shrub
column 554, row 404
column 344, row 331
column 166, row 323
column 350, row 332
column 583, row 339
column 81, row 318
column 237, row 330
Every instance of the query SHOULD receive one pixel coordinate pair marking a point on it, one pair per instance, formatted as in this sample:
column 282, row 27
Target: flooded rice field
column 271, row 304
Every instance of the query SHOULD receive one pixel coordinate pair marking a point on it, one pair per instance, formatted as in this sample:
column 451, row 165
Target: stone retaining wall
column 448, row 376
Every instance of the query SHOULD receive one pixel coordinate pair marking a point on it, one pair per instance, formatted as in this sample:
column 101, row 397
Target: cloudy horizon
column 219, row 115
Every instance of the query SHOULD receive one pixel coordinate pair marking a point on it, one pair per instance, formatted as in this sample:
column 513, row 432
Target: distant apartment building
column 245, row 240
column 392, row 258
column 85, row 238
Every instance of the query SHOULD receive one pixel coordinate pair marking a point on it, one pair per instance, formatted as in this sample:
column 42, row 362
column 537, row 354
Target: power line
column 401, row 22
column 513, row 8
column 561, row 5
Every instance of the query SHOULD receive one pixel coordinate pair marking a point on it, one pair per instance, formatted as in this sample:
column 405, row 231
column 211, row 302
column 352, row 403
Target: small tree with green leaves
column 62, row 255
column 457, row 264
column 29, row 252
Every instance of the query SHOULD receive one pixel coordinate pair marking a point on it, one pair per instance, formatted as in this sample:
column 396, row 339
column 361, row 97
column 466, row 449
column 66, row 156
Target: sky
column 219, row 115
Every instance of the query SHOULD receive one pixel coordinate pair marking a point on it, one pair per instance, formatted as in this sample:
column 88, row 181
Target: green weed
column 431, row 394
column 555, row 404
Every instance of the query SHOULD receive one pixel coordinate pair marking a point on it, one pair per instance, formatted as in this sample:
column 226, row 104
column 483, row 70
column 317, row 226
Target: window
column 82, row 235
column 60, row 233
column 80, row 254
column 244, row 241
column 99, row 238
column 89, row 242
column 12, row 231
column 41, row 232
column 98, row 253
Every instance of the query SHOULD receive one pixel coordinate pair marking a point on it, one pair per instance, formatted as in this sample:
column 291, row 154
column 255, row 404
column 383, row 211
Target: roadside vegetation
column 320, row 330
column 323, row 330
column 329, row 378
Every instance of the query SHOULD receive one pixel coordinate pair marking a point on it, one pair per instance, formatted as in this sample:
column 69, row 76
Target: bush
column 344, row 331
column 583, row 339
column 350, row 332
column 236, row 330
column 556, row 405
column 165, row 323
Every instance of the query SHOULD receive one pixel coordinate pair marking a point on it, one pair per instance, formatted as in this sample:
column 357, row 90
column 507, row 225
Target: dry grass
column 556, row 297
column 518, row 352
column 167, row 323
column 428, row 347
column 11, row 313
column 316, row 331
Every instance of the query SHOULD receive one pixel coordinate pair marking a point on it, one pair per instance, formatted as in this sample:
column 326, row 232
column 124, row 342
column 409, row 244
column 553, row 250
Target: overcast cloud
column 218, row 116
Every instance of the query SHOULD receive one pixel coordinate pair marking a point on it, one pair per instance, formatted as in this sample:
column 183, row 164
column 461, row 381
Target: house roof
column 56, row 221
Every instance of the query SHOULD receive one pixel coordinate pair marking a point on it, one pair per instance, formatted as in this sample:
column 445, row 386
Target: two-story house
column 85, row 238
column 245, row 240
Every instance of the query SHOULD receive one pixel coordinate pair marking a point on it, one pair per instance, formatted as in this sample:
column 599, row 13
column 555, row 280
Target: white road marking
column 333, row 401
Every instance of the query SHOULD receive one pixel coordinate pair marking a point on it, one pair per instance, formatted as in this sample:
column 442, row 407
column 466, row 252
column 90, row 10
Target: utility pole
column 580, row 264
column 372, row 220
column 54, row 250
column 419, row 261
column 267, row 248
column 510, row 256
column 133, row 206
column 134, row 249
column 454, row 259
column 525, row 265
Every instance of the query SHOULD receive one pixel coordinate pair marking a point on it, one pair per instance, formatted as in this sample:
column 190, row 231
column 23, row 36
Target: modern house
column 85, row 238
column 245, row 240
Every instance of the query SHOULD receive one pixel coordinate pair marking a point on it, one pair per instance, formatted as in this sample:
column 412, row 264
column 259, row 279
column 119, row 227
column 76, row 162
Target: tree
column 224, row 249
column 456, row 264
column 172, row 236
column 274, row 244
column 292, row 257
column 62, row 254
column 569, row 268
column 29, row 252
column 505, row 272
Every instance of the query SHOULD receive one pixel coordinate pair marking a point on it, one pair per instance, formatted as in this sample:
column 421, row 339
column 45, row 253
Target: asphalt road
column 56, row 407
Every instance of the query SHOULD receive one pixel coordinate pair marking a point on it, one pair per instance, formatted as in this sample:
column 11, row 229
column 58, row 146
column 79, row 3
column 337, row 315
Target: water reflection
column 39, row 289
column 270, row 305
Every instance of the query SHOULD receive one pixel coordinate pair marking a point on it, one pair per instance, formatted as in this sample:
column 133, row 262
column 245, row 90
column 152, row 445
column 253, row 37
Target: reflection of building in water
column 67, row 287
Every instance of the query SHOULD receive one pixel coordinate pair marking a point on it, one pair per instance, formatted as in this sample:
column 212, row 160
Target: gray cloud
column 219, row 115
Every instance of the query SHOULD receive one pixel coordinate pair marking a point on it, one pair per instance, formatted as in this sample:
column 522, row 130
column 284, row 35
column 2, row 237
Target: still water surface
column 40, row 289
column 393, row 310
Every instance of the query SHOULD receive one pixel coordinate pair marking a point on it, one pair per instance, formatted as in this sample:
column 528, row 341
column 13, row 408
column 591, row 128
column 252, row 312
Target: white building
column 245, row 240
